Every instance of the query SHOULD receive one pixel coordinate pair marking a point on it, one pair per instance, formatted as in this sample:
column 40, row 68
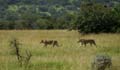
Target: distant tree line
column 86, row 16
column 36, row 14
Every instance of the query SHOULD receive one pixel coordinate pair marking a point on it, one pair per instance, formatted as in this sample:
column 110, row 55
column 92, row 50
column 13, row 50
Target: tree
column 96, row 18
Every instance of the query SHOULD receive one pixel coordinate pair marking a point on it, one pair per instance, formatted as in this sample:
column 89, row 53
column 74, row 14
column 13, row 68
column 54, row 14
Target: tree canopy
column 87, row 16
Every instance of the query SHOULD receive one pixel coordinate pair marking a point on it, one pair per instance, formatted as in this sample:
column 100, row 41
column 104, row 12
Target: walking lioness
column 87, row 41
column 50, row 42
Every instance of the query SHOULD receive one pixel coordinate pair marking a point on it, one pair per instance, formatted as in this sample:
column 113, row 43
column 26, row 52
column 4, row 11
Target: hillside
column 60, row 14
column 56, row 8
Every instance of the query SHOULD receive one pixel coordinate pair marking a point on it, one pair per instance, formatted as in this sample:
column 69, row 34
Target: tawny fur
column 87, row 41
column 50, row 42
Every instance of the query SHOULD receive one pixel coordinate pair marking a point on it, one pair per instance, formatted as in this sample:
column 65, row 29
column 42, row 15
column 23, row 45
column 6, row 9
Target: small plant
column 27, row 58
column 15, row 44
column 23, row 60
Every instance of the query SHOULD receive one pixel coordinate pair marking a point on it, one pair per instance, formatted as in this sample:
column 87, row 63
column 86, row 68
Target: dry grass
column 70, row 56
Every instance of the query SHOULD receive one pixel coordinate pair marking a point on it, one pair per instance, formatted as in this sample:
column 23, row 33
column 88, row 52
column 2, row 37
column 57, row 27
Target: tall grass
column 69, row 56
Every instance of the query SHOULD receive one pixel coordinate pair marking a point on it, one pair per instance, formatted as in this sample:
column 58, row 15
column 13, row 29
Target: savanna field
column 69, row 56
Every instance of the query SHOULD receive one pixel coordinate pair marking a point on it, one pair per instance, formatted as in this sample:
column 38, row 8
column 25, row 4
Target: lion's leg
column 85, row 44
column 45, row 45
column 57, row 45
column 94, row 44
column 91, row 44
column 53, row 45
column 82, row 44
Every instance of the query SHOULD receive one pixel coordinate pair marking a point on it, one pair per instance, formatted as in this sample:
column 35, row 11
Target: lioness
column 50, row 42
column 87, row 41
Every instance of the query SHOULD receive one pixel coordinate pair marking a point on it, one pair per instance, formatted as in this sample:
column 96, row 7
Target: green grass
column 70, row 56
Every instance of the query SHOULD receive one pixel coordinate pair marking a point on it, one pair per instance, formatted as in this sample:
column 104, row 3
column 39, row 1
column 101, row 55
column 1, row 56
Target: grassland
column 70, row 56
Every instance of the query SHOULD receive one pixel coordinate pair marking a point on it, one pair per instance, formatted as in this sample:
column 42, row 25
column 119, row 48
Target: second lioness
column 50, row 42
column 87, row 41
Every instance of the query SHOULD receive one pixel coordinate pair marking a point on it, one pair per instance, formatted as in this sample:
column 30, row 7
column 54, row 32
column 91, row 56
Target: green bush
column 96, row 18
